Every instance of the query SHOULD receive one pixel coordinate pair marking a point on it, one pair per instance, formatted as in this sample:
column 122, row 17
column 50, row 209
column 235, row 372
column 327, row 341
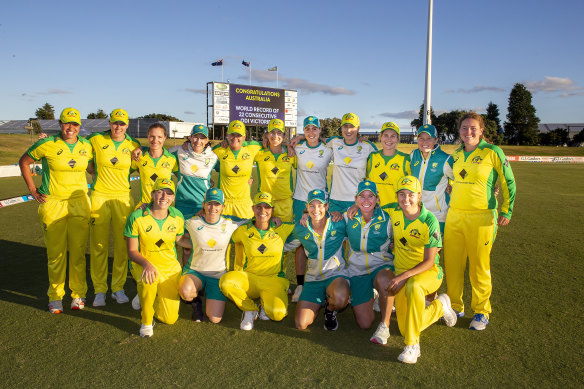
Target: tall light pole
column 428, row 88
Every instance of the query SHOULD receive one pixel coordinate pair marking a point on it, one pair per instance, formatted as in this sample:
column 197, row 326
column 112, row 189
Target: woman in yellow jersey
column 111, row 204
column 471, row 223
column 386, row 166
column 64, row 206
column 152, row 234
column 274, row 167
column 416, row 239
column 155, row 162
column 263, row 274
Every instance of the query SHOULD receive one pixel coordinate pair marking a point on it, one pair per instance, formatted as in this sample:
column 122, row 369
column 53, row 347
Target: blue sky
column 366, row 57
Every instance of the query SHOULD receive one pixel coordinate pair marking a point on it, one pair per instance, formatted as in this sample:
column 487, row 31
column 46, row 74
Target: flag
column 218, row 63
column 246, row 64
column 274, row 69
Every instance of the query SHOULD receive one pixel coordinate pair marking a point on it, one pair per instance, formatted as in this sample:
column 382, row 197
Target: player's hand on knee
column 149, row 274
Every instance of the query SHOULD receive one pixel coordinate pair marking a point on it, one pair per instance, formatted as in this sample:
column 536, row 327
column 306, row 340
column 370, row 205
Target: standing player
column 152, row 234
column 64, row 206
column 386, row 166
column 209, row 235
column 431, row 165
column 111, row 204
column 263, row 274
column 471, row 224
column 416, row 235
column 274, row 167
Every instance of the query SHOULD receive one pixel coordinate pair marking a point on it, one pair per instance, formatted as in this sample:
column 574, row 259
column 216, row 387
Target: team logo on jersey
column 207, row 161
column 82, row 152
column 434, row 165
column 245, row 156
column 394, row 166
column 377, row 164
column 359, row 148
column 126, row 151
column 148, row 229
column 267, row 158
column 286, row 159
column 262, row 248
column 171, row 228
column 396, row 223
column 477, row 159
column 223, row 227
column 165, row 165
column 377, row 227
column 333, row 233
column 415, row 233
column 105, row 147
column 60, row 152
column 320, row 153
column 271, row 235
column 307, row 236
column 72, row 163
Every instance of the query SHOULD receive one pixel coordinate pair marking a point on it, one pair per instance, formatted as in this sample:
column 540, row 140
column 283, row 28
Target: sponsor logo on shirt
column 359, row 148
column 207, row 161
column 320, row 153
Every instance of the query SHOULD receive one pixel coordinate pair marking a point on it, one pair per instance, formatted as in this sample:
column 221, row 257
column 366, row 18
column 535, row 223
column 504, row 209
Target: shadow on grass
column 23, row 280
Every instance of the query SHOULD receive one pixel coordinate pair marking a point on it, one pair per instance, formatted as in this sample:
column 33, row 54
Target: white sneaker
column 262, row 315
column 77, row 303
column 479, row 322
column 376, row 306
column 449, row 314
column 297, row 293
column 136, row 303
column 247, row 320
column 410, row 354
column 381, row 334
column 99, row 300
column 56, row 306
column 147, row 331
column 120, row 297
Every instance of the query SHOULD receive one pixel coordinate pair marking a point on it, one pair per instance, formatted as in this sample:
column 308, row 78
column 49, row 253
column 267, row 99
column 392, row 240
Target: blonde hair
column 478, row 118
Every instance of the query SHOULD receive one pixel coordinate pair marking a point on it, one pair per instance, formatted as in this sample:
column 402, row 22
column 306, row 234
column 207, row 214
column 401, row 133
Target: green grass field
column 533, row 339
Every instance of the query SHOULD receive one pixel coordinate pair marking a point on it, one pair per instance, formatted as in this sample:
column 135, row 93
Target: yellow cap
column 410, row 183
column 236, row 127
column 70, row 115
column 276, row 124
column 163, row 183
column 119, row 115
column 263, row 197
column 390, row 126
column 350, row 118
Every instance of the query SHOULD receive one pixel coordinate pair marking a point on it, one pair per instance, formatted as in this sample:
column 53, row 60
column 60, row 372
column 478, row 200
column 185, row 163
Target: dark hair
column 158, row 125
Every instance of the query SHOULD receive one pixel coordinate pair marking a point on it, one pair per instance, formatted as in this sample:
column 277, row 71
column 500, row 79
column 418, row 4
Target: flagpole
column 427, row 106
column 277, row 77
column 221, row 72
column 249, row 74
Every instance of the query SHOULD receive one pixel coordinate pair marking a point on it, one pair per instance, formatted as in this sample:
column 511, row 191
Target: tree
column 492, row 132
column 557, row 137
column 46, row 112
column 578, row 138
column 493, row 114
column 447, row 124
column 97, row 115
column 33, row 127
column 419, row 122
column 521, row 127
column 330, row 127
column 160, row 117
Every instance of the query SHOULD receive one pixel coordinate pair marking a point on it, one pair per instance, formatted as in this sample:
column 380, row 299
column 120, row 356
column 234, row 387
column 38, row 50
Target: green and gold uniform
column 65, row 214
column 151, row 169
column 235, row 169
column 410, row 238
column 385, row 171
column 111, row 203
column 275, row 177
column 157, row 244
column 264, row 270
column 471, row 223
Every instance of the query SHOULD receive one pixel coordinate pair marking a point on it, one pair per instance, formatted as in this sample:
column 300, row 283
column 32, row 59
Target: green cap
column 366, row 185
column 428, row 129
column 214, row 194
column 200, row 129
column 316, row 194
column 311, row 121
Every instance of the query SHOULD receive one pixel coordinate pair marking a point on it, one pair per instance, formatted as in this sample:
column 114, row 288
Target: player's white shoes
column 410, row 354
column 99, row 300
column 297, row 293
column 247, row 320
column 147, row 331
column 381, row 334
column 479, row 322
column 136, row 303
column 56, row 306
column 120, row 297
column 449, row 314
column 262, row 315
column 77, row 303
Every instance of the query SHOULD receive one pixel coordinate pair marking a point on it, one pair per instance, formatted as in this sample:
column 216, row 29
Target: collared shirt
column 235, row 169
column 151, row 169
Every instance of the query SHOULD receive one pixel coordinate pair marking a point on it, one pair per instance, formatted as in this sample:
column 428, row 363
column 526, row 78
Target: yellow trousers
column 160, row 298
column 243, row 287
column 109, row 210
column 66, row 228
column 136, row 272
column 413, row 316
column 283, row 210
column 469, row 234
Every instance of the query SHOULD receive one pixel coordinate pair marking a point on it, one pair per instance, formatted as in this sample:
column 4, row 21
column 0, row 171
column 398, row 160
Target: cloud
column 571, row 94
column 199, row 91
column 552, row 84
column 400, row 115
column 54, row 92
column 297, row 83
column 189, row 113
column 476, row 89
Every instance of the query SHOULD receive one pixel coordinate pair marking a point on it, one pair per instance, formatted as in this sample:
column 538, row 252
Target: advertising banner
column 522, row 158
